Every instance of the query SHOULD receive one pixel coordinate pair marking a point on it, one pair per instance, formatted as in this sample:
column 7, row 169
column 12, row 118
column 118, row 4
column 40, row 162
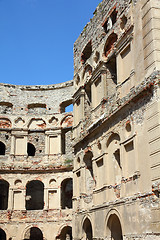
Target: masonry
column 36, row 161
column 109, row 145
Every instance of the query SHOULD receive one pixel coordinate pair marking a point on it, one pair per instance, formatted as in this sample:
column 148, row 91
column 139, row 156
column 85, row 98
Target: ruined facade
column 36, row 162
column 110, row 144
column 116, row 132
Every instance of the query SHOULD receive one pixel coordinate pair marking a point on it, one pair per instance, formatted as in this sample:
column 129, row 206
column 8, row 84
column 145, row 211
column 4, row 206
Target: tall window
column 34, row 195
column 4, row 188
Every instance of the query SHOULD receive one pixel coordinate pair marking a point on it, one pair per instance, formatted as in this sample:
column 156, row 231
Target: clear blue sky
column 37, row 37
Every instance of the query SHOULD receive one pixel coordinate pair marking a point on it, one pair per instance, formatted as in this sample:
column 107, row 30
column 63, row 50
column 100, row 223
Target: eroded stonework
column 110, row 143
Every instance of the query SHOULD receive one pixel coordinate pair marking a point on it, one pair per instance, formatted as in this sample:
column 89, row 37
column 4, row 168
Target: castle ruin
column 107, row 149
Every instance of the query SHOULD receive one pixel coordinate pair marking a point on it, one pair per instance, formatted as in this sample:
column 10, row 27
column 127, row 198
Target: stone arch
column 113, row 226
column 5, row 123
column 18, row 183
column 66, row 193
column 4, row 189
column 33, row 233
column 67, row 121
column 65, row 233
column 53, row 120
column 87, row 72
column 110, row 44
column 111, row 137
column 2, row 234
column 86, row 53
column 19, row 122
column 87, row 229
column 34, row 195
column 36, row 123
column 52, row 182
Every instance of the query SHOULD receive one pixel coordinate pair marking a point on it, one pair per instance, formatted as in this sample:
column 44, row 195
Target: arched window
column 4, row 188
column 87, row 229
column 86, row 52
column 33, row 233
column 113, row 147
column 114, row 227
column 2, row 234
column 66, row 234
column 89, row 177
column 34, row 195
column 66, row 193
column 31, row 150
column 2, row 148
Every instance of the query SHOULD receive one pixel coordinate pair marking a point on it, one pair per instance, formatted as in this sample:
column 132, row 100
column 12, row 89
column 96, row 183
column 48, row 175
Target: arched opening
column 2, row 148
column 2, row 234
column 89, row 177
column 110, row 43
column 66, row 193
column 33, row 233
column 31, row 150
column 66, row 234
column 87, row 228
column 114, row 156
column 86, row 52
column 34, row 195
column 4, row 188
column 115, row 228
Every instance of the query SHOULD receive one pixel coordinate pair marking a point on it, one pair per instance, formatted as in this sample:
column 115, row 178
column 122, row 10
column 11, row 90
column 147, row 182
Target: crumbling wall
column 34, row 166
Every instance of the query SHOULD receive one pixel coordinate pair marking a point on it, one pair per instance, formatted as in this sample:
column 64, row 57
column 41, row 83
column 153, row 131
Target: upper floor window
column 2, row 148
column 34, row 195
column 86, row 53
column 4, row 188
column 31, row 150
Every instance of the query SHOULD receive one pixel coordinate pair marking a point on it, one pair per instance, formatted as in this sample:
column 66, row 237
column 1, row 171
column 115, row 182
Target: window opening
column 66, row 106
column 86, row 52
column 34, row 195
column 31, row 150
column 4, row 188
column 110, row 44
column 108, row 24
column 87, row 227
column 2, row 235
column 114, row 226
column 66, row 234
column 66, row 193
column 33, row 233
column 2, row 148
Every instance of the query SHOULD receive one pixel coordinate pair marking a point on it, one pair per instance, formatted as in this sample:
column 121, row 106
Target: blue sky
column 37, row 37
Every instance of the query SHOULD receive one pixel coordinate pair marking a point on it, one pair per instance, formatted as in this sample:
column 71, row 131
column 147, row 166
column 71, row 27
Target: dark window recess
column 88, row 93
column 66, row 193
column 35, row 195
column 4, row 188
column 86, row 53
column 31, row 150
column 114, row 226
column 112, row 66
column 66, row 233
column 87, row 227
column 33, row 233
column 2, row 235
column 117, row 157
column 2, row 148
